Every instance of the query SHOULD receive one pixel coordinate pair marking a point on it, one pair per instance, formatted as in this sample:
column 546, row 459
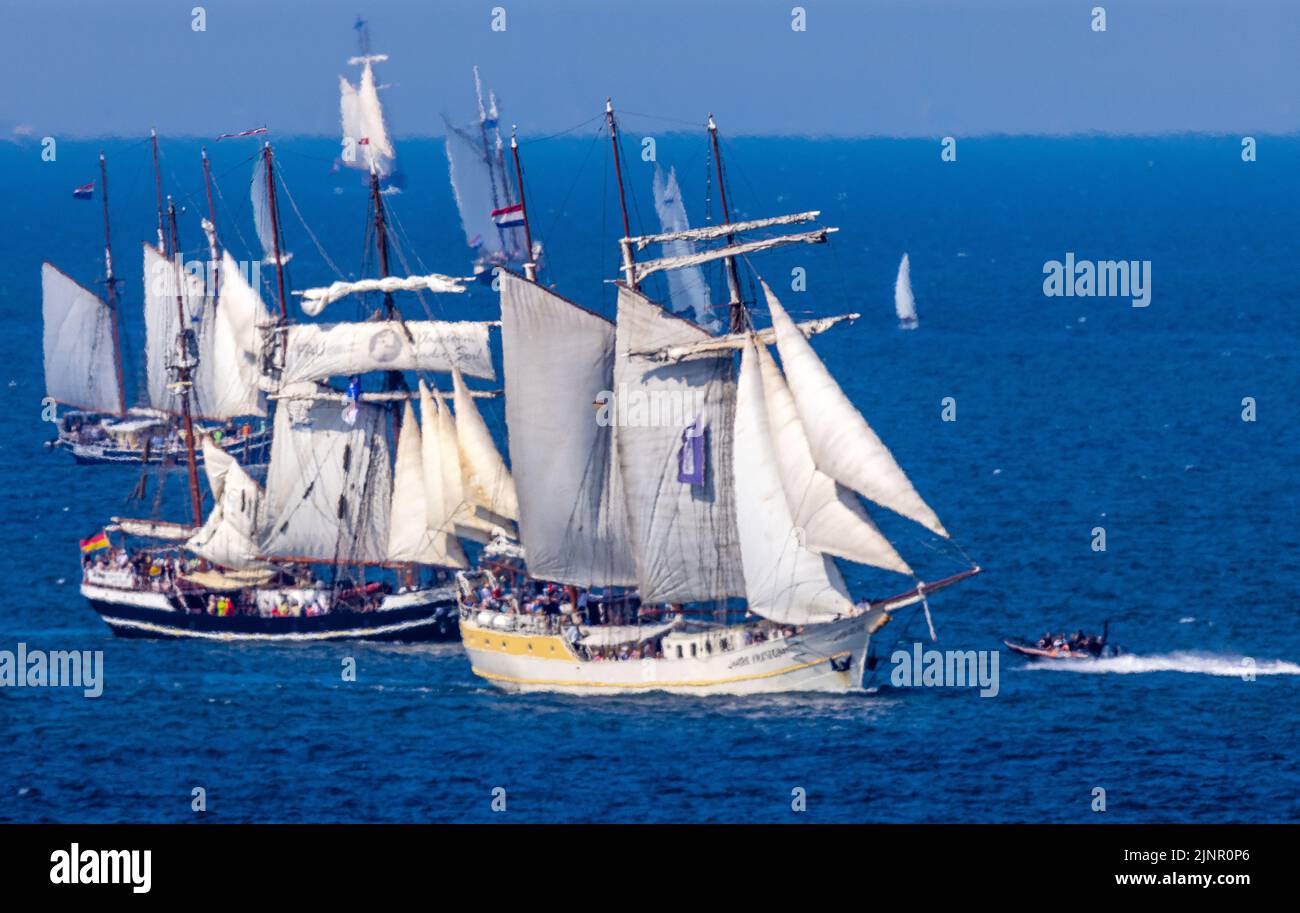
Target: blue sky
column 871, row 67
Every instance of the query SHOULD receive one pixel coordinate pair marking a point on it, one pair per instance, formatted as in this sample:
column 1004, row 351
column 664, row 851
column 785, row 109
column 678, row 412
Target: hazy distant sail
column 687, row 288
column 365, row 134
column 904, row 303
column 481, row 184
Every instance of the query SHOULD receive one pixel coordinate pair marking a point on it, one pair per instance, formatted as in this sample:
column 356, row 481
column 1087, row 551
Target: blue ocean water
column 1072, row 413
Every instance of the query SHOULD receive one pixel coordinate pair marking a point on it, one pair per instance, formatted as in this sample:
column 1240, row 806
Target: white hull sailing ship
column 691, row 550
column 342, row 542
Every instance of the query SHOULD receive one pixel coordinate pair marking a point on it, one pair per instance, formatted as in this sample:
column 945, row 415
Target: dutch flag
column 85, row 191
column 509, row 216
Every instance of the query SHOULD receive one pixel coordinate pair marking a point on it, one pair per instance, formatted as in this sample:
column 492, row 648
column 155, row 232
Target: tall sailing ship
column 343, row 540
column 491, row 209
column 85, row 371
column 367, row 145
column 680, row 515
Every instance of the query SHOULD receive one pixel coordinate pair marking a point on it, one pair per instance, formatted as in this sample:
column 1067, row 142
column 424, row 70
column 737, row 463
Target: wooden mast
column 110, row 283
column 184, row 378
column 392, row 379
column 157, row 185
column 212, row 220
column 738, row 316
column 625, row 244
column 530, row 266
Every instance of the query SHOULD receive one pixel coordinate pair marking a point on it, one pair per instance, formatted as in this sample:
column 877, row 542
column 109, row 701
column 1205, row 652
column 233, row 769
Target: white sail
column 328, row 485
column 683, row 534
column 559, row 360
column 229, row 536
column 438, row 505
column 350, row 117
column 688, row 290
column 831, row 519
column 645, row 268
column 784, row 581
column 262, row 221
column 410, row 538
column 463, row 516
column 234, row 352
column 904, row 303
column 315, row 351
column 737, row 341
column 80, row 363
column 842, row 443
column 376, row 147
column 722, row 229
column 487, row 481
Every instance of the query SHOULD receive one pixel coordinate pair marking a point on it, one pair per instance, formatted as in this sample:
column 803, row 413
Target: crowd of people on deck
column 158, row 573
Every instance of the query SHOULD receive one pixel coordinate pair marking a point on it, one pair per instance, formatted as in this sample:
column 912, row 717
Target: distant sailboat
column 491, row 210
column 904, row 303
column 366, row 142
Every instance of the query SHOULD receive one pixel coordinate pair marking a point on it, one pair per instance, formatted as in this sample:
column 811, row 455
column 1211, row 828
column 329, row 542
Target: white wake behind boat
column 735, row 481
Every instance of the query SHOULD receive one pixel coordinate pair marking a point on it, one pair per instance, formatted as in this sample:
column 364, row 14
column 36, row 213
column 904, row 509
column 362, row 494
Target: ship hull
column 255, row 452
column 822, row 658
column 145, row 614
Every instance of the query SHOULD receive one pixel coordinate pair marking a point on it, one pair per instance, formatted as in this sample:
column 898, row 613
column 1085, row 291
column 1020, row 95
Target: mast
column 212, row 218
column 738, row 316
column 157, row 184
column 530, row 267
column 392, row 379
column 111, row 287
column 487, row 156
column 275, row 231
column 625, row 243
column 184, row 379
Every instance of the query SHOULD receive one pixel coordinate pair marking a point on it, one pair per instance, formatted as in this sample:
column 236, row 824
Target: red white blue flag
column 85, row 192
column 509, row 216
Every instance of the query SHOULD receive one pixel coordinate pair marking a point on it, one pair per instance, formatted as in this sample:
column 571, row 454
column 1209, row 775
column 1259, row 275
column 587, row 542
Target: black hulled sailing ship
column 342, row 541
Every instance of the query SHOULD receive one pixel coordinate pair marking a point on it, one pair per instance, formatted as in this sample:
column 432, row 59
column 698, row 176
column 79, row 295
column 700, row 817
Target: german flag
column 95, row 543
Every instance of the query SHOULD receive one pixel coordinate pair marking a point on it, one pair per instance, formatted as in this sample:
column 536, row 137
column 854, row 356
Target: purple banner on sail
column 690, row 458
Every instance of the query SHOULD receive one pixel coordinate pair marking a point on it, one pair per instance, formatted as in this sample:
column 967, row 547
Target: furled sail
column 645, row 268
column 315, row 351
column 328, row 486
column 784, row 580
column 904, row 303
column 559, row 360
column 831, row 518
column 410, row 538
column 262, row 221
column 687, row 288
column 80, row 362
column 487, row 481
column 682, row 523
column 722, row 229
column 842, row 443
column 314, row 300
column 229, row 536
column 438, row 507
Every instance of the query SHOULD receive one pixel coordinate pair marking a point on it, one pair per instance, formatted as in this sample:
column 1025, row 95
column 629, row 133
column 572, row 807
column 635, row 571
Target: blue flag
column 690, row 458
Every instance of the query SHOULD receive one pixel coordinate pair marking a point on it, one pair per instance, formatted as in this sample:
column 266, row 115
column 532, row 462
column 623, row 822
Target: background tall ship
column 343, row 540
column 85, row 359
column 692, row 551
